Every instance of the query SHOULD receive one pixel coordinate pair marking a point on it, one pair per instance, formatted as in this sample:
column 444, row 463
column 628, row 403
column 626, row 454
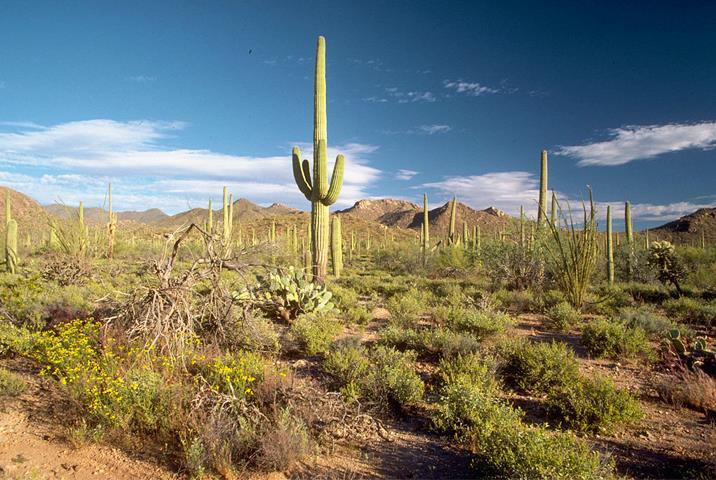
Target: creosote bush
column 562, row 317
column 538, row 367
column 315, row 332
column 614, row 339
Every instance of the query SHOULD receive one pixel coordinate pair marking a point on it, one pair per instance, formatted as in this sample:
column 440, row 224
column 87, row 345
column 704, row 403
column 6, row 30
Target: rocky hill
column 27, row 212
column 689, row 228
column 98, row 216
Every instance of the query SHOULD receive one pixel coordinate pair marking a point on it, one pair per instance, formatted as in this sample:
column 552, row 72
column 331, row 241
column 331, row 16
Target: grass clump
column 11, row 385
column 614, row 339
column 562, row 316
column 538, row 367
column 694, row 389
column 593, row 405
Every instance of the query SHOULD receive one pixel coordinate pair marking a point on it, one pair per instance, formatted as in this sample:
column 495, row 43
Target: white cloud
column 142, row 78
column 404, row 174
column 433, row 129
column 400, row 96
column 77, row 157
column 474, row 89
column 641, row 142
column 510, row 190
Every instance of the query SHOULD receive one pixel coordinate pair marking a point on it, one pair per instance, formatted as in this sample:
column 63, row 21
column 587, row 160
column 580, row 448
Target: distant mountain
column 26, row 211
column 690, row 227
column 403, row 214
column 95, row 215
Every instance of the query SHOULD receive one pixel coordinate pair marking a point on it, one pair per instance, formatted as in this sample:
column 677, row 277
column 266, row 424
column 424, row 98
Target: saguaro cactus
column 522, row 227
column 317, row 189
column 426, row 228
column 627, row 223
column 553, row 211
column 610, row 247
column 11, row 246
column 452, row 238
column 542, row 212
column 336, row 246
column 210, row 220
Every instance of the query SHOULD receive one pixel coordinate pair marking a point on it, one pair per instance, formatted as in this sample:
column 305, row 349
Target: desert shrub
column 382, row 374
column 451, row 260
column 495, row 432
column 359, row 315
column 648, row 319
column 562, row 316
column 608, row 299
column 471, row 369
column 257, row 333
column 234, row 374
column 394, row 376
column 614, row 339
column 429, row 341
column 516, row 267
column 344, row 297
column 538, row 367
column 514, row 300
column 690, row 310
column 314, row 333
column 15, row 340
column 286, row 442
column 694, row 389
column 592, row 405
column 11, row 384
column 480, row 323
column 406, row 308
column 647, row 293
column 547, row 299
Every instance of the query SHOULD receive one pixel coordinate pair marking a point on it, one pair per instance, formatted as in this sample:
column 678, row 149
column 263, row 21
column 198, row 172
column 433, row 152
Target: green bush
column 480, row 323
column 429, row 341
column 15, row 340
column 563, row 316
column 592, row 405
column 648, row 319
column 614, row 339
column 11, row 385
column 690, row 310
column 406, row 308
column 538, row 367
column 359, row 315
column 314, row 333
column 471, row 369
column 495, row 432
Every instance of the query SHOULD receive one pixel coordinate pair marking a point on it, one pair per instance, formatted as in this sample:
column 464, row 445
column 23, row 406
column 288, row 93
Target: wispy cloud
column 394, row 94
column 421, row 130
column 142, row 78
column 474, row 89
column 135, row 151
column 404, row 174
column 630, row 143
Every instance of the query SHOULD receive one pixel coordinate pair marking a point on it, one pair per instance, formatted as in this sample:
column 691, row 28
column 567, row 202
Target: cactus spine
column 542, row 213
column 336, row 246
column 11, row 246
column 452, row 239
column 610, row 247
column 317, row 189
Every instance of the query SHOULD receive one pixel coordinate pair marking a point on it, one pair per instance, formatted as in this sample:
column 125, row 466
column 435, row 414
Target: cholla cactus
column 317, row 189
column 662, row 257
column 11, row 246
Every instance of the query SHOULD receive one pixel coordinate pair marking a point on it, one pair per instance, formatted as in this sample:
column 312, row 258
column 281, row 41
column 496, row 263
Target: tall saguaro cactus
column 542, row 213
column 627, row 223
column 553, row 211
column 426, row 229
column 317, row 189
column 336, row 246
column 452, row 238
column 11, row 246
column 610, row 247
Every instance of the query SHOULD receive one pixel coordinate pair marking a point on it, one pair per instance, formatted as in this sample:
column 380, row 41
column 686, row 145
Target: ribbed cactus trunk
column 522, row 227
column 317, row 189
column 646, row 239
column 452, row 238
column 553, row 211
column 465, row 235
column 610, row 247
column 627, row 223
column 210, row 219
column 11, row 246
column 426, row 229
column 337, row 246
column 225, row 214
column 542, row 212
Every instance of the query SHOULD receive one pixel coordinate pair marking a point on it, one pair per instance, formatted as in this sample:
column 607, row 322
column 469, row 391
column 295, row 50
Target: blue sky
column 172, row 100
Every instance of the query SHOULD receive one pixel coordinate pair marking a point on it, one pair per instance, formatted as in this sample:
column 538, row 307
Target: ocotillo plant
column 610, row 247
column 542, row 212
column 11, row 246
column 111, row 224
column 336, row 246
column 452, row 239
column 317, row 189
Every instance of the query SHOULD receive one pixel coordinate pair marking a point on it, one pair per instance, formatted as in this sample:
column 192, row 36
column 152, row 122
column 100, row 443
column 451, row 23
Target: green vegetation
column 614, row 339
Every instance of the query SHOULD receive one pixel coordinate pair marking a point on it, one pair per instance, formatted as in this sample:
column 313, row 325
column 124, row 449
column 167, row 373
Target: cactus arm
column 336, row 181
column 301, row 173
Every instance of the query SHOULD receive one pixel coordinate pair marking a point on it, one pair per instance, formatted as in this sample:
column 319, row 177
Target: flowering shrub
column 234, row 374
